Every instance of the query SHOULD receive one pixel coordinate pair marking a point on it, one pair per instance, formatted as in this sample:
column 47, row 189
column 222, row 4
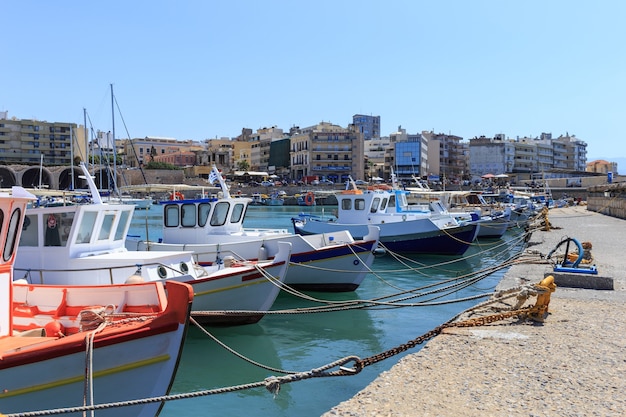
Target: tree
column 243, row 165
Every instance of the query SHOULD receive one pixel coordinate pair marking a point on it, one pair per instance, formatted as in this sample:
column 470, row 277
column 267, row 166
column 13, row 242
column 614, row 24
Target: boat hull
column 332, row 262
column 399, row 237
column 51, row 372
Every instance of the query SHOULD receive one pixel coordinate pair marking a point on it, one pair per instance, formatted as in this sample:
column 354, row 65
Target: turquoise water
column 306, row 341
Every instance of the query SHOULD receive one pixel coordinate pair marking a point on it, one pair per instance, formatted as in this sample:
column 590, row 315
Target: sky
column 206, row 69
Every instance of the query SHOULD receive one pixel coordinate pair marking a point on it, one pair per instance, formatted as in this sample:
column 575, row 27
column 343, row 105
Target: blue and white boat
column 402, row 228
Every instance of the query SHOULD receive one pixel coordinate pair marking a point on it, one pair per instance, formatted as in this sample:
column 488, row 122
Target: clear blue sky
column 205, row 69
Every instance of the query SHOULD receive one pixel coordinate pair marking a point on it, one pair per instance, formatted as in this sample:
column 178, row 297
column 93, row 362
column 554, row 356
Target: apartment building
column 368, row 126
column 526, row 155
column 448, row 155
column 327, row 151
column 261, row 142
column 375, row 151
column 25, row 141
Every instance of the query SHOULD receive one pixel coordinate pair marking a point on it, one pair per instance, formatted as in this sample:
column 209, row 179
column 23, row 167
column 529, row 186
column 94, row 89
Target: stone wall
column 609, row 199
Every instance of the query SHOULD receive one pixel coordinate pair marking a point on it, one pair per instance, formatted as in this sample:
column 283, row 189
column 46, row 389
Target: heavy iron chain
column 473, row 322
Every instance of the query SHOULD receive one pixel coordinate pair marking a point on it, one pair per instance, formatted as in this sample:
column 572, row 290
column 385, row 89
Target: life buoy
column 52, row 221
column 176, row 196
column 309, row 199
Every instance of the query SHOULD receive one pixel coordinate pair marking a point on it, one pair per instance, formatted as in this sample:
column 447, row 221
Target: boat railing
column 41, row 272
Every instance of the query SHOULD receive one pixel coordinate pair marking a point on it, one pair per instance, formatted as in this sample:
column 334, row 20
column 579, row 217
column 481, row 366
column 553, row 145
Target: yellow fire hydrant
column 540, row 310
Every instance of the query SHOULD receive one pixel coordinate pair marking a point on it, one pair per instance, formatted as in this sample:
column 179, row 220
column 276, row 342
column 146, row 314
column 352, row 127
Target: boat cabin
column 79, row 230
column 186, row 221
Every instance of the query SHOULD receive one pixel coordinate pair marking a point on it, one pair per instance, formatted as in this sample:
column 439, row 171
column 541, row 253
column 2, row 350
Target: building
column 25, row 141
column 177, row 158
column 600, row 166
column 327, row 151
column 139, row 151
column 527, row 156
column 490, row 156
column 368, row 126
column 407, row 155
column 260, row 148
column 375, row 151
column 448, row 156
column 218, row 152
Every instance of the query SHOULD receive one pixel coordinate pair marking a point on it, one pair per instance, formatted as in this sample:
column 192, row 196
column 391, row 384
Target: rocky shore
column 572, row 364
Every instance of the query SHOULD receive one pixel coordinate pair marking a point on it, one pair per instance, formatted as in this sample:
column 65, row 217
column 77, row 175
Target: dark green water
column 307, row 341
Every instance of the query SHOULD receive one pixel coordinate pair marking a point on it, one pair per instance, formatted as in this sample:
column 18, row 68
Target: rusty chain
column 532, row 311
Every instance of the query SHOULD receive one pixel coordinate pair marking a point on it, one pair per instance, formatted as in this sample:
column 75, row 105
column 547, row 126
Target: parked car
column 315, row 182
column 267, row 183
column 326, row 182
column 360, row 182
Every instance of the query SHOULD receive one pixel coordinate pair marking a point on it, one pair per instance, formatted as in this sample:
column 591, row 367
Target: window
column 346, row 204
column 121, row 226
column 203, row 213
column 107, row 227
column 188, row 215
column 85, row 229
column 238, row 212
column 170, row 218
column 219, row 214
column 375, row 204
column 359, row 204
column 9, row 247
column 29, row 231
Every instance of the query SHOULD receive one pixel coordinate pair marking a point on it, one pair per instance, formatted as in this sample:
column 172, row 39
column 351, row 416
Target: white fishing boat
column 212, row 228
column 78, row 346
column 491, row 223
column 402, row 228
column 84, row 245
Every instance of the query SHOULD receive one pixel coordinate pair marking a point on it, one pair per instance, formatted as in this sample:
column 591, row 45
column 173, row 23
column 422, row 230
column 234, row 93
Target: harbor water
column 302, row 342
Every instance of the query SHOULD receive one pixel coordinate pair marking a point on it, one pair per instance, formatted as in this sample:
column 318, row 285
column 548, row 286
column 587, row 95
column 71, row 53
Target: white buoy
column 228, row 261
column 134, row 279
column 262, row 253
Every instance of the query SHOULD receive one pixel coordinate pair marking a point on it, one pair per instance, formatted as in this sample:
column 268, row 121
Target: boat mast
column 113, row 133
column 86, row 137
column 40, row 169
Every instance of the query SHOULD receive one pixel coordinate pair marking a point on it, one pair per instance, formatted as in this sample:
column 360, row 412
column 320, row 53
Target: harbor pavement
column 572, row 364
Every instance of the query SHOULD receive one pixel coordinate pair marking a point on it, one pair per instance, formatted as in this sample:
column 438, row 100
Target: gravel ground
column 572, row 364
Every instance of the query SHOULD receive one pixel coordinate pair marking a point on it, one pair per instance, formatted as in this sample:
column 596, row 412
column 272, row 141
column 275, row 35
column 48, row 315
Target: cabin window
column 219, row 214
column 30, row 231
column 359, row 204
column 203, row 213
column 383, row 205
column 9, row 248
column 375, row 204
column 237, row 213
column 107, row 227
column 346, row 204
column 392, row 201
column 121, row 226
column 86, row 227
column 52, row 236
column 170, row 218
column 1, row 219
column 188, row 215
column 65, row 226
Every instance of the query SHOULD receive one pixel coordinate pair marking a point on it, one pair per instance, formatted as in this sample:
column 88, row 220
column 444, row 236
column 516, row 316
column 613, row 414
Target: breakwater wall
column 609, row 199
